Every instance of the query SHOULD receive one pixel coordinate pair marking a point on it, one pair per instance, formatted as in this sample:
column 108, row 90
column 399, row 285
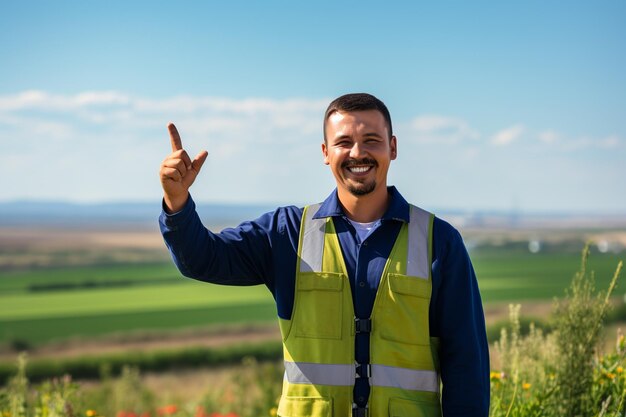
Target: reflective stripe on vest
column 319, row 373
column 417, row 256
column 312, row 241
column 344, row 375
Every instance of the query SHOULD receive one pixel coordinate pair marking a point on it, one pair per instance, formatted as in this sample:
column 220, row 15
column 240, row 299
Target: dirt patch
column 23, row 248
column 52, row 238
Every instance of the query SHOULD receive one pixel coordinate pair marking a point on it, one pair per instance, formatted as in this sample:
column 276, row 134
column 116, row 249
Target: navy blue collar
column 398, row 207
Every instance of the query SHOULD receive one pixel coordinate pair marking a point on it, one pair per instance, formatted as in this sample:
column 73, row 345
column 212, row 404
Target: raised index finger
column 177, row 144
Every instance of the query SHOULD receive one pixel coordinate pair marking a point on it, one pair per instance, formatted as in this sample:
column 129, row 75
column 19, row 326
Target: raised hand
column 178, row 172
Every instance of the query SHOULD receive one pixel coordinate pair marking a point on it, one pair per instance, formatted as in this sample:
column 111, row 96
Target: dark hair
column 357, row 102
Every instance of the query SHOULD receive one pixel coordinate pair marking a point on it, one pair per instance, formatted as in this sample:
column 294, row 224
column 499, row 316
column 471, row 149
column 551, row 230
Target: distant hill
column 145, row 215
column 55, row 213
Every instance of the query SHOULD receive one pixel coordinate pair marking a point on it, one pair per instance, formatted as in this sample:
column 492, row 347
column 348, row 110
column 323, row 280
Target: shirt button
column 365, row 243
column 361, row 284
column 361, row 399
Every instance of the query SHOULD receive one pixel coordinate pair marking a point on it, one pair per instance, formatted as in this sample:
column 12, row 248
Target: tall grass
column 253, row 391
column 563, row 373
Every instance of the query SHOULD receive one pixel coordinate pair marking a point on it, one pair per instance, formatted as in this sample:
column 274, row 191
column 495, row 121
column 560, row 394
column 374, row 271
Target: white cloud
column 559, row 142
column 108, row 145
column 92, row 98
column 586, row 142
column 610, row 142
column 95, row 146
column 507, row 136
column 438, row 129
column 251, row 117
column 549, row 136
column 40, row 100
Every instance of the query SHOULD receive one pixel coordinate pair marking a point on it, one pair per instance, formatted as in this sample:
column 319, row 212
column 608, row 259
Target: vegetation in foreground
column 253, row 391
column 558, row 374
column 562, row 373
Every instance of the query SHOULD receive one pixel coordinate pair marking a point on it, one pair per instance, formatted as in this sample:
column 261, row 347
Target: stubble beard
column 362, row 189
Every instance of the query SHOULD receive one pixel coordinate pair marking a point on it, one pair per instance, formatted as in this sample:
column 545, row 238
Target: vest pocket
column 305, row 407
column 318, row 306
column 400, row 407
column 405, row 311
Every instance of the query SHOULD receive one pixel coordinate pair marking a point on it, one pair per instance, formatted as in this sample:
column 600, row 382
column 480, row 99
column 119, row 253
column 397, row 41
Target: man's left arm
column 457, row 318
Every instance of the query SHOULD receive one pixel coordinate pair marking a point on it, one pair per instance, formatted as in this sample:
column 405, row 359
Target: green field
column 515, row 275
column 42, row 329
column 38, row 306
column 161, row 297
column 120, row 274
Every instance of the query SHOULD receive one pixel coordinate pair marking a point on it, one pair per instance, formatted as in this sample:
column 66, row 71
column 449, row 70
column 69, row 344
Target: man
column 377, row 300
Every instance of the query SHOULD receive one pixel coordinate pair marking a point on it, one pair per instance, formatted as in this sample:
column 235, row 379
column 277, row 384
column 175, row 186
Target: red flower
column 167, row 410
column 200, row 412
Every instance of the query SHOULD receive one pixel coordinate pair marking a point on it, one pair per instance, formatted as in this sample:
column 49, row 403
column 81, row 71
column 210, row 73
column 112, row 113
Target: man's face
column 358, row 150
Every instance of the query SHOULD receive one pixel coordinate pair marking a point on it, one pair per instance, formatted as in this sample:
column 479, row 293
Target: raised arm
column 237, row 256
column 178, row 172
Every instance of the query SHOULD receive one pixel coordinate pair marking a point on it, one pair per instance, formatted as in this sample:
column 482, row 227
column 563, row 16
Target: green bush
column 562, row 373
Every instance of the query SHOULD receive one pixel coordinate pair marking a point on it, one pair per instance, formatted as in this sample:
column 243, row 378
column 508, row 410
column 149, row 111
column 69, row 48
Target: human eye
column 372, row 140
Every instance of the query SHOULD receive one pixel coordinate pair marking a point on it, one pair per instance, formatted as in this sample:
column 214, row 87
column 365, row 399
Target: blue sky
column 495, row 105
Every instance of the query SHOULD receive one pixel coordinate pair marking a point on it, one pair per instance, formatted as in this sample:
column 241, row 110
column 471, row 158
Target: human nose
column 356, row 151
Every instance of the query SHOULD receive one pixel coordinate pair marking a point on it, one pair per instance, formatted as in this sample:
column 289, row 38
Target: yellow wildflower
column 619, row 370
column 273, row 412
column 495, row 375
column 610, row 375
column 91, row 413
column 7, row 414
column 526, row 386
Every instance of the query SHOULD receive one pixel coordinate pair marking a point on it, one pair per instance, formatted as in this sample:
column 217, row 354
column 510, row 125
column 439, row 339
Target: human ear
column 325, row 153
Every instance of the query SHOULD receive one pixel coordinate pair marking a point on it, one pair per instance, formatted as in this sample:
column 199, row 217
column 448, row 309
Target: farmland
column 82, row 298
column 108, row 292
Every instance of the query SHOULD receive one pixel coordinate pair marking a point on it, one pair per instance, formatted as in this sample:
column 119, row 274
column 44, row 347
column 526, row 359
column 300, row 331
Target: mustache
column 356, row 162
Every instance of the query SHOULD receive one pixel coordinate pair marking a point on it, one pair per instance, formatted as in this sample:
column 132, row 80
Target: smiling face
column 358, row 150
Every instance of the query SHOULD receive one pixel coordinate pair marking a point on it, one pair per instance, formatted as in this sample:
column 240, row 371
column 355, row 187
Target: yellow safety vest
column 318, row 340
